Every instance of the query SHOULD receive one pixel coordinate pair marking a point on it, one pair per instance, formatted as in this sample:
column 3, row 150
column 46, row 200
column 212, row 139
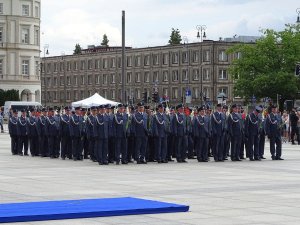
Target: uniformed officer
column 41, row 128
column 23, row 135
column 33, row 133
column 92, row 133
column 51, row 132
column 14, row 131
column 200, row 128
column 130, row 138
column 151, row 157
column 57, row 138
column 208, row 113
column 226, row 136
column 76, row 126
column 217, row 126
column 102, row 126
column 243, row 144
column 189, row 130
column 66, row 142
column 85, row 143
column 140, row 131
column 235, row 132
column 160, row 133
column 120, row 125
column 179, row 131
column 273, row 131
column 262, row 135
column 111, row 137
column 252, row 133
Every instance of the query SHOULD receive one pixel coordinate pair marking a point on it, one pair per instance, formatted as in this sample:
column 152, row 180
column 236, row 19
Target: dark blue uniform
column 189, row 137
column 76, row 127
column 14, row 133
column 102, row 126
column 23, row 137
column 111, row 139
column 217, row 126
column 179, row 131
column 120, row 134
column 235, row 132
column 43, row 141
column 33, row 136
column 139, row 129
column 66, row 142
column 274, row 133
column 200, row 127
column 57, row 140
column 91, row 132
column 252, row 134
column 262, row 136
column 51, row 133
column 160, row 134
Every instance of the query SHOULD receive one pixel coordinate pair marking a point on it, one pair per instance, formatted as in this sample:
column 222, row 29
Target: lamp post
column 201, row 32
column 298, row 18
column 185, row 43
column 46, row 50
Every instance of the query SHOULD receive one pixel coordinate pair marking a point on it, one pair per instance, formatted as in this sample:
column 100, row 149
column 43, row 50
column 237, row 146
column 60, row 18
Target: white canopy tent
column 94, row 100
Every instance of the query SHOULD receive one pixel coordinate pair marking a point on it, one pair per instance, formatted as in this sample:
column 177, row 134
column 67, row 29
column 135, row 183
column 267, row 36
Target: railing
column 19, row 77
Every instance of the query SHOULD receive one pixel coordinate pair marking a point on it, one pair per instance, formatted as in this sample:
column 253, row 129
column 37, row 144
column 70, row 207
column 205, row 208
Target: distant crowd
column 107, row 134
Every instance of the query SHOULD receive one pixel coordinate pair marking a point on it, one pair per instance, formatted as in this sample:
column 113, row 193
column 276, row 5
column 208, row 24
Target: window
column 48, row 81
column 196, row 74
column 97, row 79
column 105, row 93
column 138, row 61
column 206, row 56
column 155, row 76
column 223, row 56
column 90, row 64
column 90, row 93
column 105, row 64
column 147, row 77
column 120, row 78
column 113, row 62
column 206, row 74
column 222, row 74
column 90, row 79
column 129, row 61
column 185, row 74
column 97, row 64
column 113, row 94
column 82, row 94
column 128, row 78
column 25, row 35
column 175, row 75
column 37, row 11
column 175, row 57
column 184, row 57
column 166, row 92
column 138, row 93
column 195, row 56
column 137, row 77
column 25, row 10
column 1, row 68
column 75, row 81
column 1, row 8
column 68, row 66
column 175, row 93
column 223, row 90
column 61, row 67
column 55, row 67
column 68, row 81
column 237, row 55
column 155, row 59
column 75, row 66
column 82, row 65
column 1, row 34
column 165, row 75
column 206, row 92
column 61, row 81
column 54, row 95
column 82, row 80
column 75, row 95
column 147, row 60
column 195, row 92
column 119, row 62
column 25, row 67
column 113, row 78
column 55, row 81
column 68, row 95
column 36, row 37
column 37, row 68
column 105, row 78
column 165, row 58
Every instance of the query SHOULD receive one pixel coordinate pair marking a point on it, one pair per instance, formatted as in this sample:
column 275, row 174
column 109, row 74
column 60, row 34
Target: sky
column 149, row 22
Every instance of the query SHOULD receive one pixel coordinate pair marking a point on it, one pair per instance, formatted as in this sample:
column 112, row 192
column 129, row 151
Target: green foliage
column 175, row 37
column 267, row 68
column 105, row 41
column 9, row 95
column 77, row 49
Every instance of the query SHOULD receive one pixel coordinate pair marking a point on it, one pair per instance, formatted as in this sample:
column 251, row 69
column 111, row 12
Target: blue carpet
column 85, row 208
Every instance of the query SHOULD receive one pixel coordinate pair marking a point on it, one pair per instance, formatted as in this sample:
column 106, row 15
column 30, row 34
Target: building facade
column 20, row 47
column 200, row 67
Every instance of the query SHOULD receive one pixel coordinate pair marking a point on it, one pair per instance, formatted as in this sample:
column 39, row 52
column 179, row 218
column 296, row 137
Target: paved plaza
column 266, row 192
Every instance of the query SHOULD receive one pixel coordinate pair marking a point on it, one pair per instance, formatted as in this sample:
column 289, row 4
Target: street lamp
column 298, row 18
column 201, row 32
column 46, row 50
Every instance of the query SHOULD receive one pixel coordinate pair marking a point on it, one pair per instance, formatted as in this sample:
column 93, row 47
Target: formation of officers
column 107, row 135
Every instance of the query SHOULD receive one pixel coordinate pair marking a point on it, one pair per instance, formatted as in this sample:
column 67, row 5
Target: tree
column 267, row 68
column 77, row 49
column 105, row 41
column 9, row 95
column 175, row 37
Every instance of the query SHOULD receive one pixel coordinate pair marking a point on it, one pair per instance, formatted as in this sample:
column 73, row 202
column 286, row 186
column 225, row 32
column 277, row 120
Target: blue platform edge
column 84, row 208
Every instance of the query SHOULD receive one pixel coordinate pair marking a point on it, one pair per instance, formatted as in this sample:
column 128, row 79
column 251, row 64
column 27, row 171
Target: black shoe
column 105, row 163
column 273, row 157
column 252, row 159
column 184, row 161
column 179, row 160
column 257, row 159
column 63, row 158
column 191, row 157
column 171, row 160
column 159, row 161
column 220, row 160
column 130, row 161
column 225, row 159
column 279, row 158
column 238, row 160
column 242, row 157
column 26, row 154
column 117, row 162
column 20, row 154
column 164, row 161
column 124, row 162
column 204, row 160
column 137, row 162
column 262, row 157
column 86, row 157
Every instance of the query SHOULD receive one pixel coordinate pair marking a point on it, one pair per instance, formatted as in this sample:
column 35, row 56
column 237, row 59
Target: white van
column 19, row 106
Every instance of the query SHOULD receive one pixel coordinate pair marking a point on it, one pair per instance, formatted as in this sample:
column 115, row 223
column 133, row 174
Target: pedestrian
column 23, row 135
column 235, row 132
column 294, row 129
column 14, row 131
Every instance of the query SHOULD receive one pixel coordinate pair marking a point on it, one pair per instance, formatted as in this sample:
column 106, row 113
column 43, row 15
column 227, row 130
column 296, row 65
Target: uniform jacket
column 159, row 125
column 272, row 125
column 51, row 127
column 32, row 126
column 234, row 125
column 200, row 127
column 120, row 125
column 76, row 126
column 64, row 126
column 252, row 125
column 102, row 126
column 139, row 124
column 179, row 125
column 41, row 125
column 13, row 126
column 22, row 124
column 217, row 123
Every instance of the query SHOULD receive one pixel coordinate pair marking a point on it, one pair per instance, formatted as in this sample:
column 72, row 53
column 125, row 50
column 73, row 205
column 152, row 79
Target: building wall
column 20, row 47
column 170, row 69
